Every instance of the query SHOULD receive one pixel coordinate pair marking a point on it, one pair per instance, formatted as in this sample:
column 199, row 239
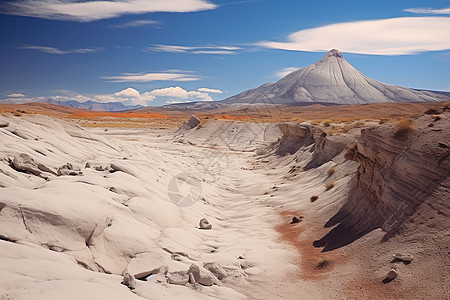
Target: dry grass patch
column 331, row 172
column 329, row 185
column 404, row 126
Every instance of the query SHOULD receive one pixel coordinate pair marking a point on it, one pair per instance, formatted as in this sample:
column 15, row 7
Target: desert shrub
column 404, row 126
column 315, row 122
column 327, row 122
column 322, row 264
column 359, row 123
column 329, row 185
column 314, row 198
column 331, row 171
column 17, row 113
column 432, row 111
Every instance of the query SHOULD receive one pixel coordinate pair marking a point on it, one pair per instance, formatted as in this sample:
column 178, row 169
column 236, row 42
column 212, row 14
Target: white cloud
column 174, row 75
column 87, row 11
column 209, row 49
column 285, row 71
column 180, row 93
column 128, row 96
column 208, row 90
column 420, row 10
column 136, row 23
column 52, row 50
column 16, row 95
column 397, row 36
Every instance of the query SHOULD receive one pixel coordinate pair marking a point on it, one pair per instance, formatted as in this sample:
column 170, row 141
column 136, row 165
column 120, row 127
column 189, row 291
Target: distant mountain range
column 332, row 80
column 96, row 106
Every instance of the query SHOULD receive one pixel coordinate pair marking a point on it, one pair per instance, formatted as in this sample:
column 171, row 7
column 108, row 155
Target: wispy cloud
column 423, row 10
column 397, row 36
column 208, row 90
column 52, row 50
column 285, row 71
column 171, row 75
column 208, row 49
column 87, row 11
column 16, row 95
column 136, row 23
column 128, row 96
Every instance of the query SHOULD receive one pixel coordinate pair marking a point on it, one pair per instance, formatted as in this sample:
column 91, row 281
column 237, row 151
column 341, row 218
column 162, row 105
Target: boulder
column 3, row 124
column 216, row 269
column 204, row 224
column 193, row 122
column 202, row 276
column 129, row 281
column 25, row 163
column 178, row 278
column 145, row 264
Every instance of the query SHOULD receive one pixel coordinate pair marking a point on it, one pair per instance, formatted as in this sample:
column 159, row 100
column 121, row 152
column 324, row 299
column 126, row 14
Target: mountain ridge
column 95, row 106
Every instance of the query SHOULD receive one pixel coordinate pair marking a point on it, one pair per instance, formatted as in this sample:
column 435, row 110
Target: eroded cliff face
column 398, row 178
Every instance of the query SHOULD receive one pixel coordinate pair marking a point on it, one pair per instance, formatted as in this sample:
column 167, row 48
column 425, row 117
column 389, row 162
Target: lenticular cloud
column 397, row 36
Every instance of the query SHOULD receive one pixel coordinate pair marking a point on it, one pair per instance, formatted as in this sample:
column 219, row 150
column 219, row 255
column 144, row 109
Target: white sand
column 73, row 237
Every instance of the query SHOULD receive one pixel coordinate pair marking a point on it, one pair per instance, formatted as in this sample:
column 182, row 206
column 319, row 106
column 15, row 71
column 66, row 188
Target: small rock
column 87, row 165
column 178, row 278
column 3, row 124
column 204, row 224
column 129, row 281
column 216, row 269
column 68, row 169
column 406, row 258
column 295, row 220
column 392, row 274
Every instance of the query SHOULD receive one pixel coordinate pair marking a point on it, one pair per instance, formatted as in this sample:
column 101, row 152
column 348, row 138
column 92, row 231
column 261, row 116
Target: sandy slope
column 74, row 236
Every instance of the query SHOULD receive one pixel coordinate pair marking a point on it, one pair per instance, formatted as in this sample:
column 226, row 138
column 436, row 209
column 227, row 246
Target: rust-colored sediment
column 103, row 114
column 312, row 262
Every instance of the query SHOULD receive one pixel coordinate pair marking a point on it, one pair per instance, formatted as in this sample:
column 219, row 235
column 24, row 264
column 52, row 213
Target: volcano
column 331, row 80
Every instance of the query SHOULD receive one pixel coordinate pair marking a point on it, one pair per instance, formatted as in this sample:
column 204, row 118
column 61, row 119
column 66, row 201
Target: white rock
column 129, row 281
column 202, row 276
column 145, row 264
column 178, row 278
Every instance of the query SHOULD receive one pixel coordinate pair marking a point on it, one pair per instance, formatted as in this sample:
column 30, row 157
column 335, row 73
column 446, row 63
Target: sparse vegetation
column 331, row 171
column 436, row 118
column 327, row 123
column 432, row 111
column 329, row 185
column 322, row 264
column 314, row 198
column 202, row 123
column 404, row 126
column 17, row 113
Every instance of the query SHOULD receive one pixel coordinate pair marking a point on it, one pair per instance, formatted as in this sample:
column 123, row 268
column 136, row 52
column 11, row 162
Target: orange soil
column 103, row 114
column 313, row 263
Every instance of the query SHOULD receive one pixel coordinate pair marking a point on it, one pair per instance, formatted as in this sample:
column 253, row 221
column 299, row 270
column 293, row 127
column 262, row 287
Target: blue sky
column 154, row 52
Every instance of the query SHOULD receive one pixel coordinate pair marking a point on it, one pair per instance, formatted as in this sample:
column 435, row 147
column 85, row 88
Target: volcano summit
column 331, row 80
